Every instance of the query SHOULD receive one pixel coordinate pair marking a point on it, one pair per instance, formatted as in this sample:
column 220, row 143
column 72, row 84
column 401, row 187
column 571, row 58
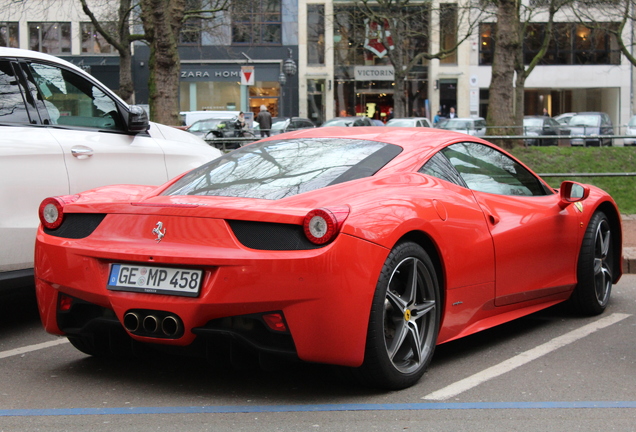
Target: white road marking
column 523, row 358
column 29, row 348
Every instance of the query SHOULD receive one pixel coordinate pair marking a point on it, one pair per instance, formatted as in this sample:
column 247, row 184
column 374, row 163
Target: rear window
column 585, row 120
column 279, row 169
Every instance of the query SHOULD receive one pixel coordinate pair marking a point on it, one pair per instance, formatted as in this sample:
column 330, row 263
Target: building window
column 571, row 44
column 448, row 31
column 9, row 35
column 93, row 42
column 316, row 34
column 316, row 100
column 192, row 27
column 51, row 38
column 486, row 44
column 256, row 22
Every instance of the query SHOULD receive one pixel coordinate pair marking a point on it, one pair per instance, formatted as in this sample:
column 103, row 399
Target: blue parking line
column 230, row 409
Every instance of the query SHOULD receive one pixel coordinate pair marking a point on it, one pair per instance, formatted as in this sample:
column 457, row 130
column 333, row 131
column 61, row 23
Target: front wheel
column 404, row 320
column 595, row 265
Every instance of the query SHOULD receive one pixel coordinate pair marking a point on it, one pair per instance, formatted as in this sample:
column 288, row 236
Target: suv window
column 71, row 100
column 12, row 107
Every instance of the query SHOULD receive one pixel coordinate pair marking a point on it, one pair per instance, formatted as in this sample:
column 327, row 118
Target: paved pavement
column 629, row 243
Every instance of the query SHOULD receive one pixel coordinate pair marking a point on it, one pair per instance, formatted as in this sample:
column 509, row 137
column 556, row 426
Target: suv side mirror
column 572, row 192
column 137, row 119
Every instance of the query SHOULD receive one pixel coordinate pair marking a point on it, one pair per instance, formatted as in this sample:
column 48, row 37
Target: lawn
column 579, row 160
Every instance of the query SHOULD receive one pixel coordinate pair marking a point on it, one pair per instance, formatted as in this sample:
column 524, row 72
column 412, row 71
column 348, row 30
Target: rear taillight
column 323, row 225
column 52, row 210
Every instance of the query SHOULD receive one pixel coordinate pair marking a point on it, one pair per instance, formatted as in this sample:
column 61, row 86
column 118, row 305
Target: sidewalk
column 629, row 243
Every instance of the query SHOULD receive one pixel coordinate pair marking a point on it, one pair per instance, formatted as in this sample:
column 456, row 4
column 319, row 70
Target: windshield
column 279, row 125
column 279, row 169
column 585, row 120
column 204, row 125
column 339, row 122
column 457, row 124
column 401, row 122
column 532, row 123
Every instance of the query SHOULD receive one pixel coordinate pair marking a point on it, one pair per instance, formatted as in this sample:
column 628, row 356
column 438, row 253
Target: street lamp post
column 288, row 70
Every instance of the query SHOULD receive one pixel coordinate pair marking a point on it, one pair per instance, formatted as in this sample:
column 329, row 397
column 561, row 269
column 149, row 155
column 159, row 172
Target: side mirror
column 137, row 119
column 571, row 192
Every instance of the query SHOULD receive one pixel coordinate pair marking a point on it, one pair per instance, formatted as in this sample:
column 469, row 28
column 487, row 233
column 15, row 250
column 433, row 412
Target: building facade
column 582, row 71
column 342, row 68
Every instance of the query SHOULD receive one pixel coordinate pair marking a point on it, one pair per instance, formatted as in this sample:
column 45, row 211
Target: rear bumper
column 324, row 295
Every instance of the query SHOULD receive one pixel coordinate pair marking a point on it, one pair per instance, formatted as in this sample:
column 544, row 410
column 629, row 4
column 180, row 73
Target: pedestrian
column 390, row 115
column 545, row 112
column 437, row 117
column 264, row 119
column 452, row 113
column 239, row 125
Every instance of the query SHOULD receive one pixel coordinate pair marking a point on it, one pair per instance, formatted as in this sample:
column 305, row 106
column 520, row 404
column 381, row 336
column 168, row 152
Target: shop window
column 93, row 42
column 50, row 37
column 316, row 34
column 9, row 34
column 256, row 22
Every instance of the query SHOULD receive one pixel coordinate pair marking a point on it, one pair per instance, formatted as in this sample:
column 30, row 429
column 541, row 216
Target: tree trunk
column 501, row 109
column 162, row 20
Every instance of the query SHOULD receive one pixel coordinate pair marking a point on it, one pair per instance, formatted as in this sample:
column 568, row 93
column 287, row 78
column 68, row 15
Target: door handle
column 81, row 152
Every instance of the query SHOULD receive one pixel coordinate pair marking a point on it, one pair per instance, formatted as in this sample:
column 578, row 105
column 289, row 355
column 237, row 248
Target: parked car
column 348, row 121
column 541, row 125
column 410, row 122
column 470, row 126
column 597, row 125
column 359, row 247
column 289, row 124
column 63, row 132
column 630, row 130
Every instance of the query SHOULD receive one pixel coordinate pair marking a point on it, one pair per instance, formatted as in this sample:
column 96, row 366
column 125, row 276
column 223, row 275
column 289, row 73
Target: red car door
column 536, row 245
column 536, row 242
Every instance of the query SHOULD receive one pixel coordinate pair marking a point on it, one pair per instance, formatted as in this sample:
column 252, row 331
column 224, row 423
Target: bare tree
column 509, row 67
column 403, row 33
column 118, row 35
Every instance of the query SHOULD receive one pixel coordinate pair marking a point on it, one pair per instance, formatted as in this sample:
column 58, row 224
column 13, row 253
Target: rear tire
column 594, row 271
column 404, row 320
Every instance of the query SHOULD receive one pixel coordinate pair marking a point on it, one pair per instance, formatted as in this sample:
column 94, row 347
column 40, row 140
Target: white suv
column 63, row 132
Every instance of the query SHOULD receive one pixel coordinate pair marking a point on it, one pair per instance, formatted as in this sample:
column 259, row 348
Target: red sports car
column 362, row 247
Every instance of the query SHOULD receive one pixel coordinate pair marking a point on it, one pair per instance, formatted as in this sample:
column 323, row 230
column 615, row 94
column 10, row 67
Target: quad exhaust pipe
column 153, row 324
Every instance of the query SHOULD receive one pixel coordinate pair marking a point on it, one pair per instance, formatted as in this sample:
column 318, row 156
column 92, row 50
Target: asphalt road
column 546, row 372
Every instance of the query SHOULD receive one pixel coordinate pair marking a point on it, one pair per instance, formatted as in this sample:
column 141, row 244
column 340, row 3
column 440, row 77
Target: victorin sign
column 374, row 73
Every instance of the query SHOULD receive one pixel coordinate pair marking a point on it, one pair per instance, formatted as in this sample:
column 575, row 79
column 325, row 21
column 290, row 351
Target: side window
column 72, row 100
column 439, row 166
column 485, row 169
column 12, row 107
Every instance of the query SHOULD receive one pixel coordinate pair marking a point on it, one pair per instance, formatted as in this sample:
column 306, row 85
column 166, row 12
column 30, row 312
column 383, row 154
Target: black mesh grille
column 77, row 225
column 271, row 236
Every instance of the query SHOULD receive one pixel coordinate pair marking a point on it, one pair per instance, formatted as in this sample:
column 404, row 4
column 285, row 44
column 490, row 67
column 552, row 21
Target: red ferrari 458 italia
column 360, row 247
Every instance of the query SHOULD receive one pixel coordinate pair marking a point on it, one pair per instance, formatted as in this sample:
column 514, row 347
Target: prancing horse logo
column 157, row 231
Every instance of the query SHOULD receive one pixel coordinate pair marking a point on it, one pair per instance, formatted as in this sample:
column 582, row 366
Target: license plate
column 155, row 280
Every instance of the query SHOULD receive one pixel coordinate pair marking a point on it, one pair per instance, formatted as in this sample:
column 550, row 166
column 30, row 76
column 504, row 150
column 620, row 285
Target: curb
column 629, row 260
